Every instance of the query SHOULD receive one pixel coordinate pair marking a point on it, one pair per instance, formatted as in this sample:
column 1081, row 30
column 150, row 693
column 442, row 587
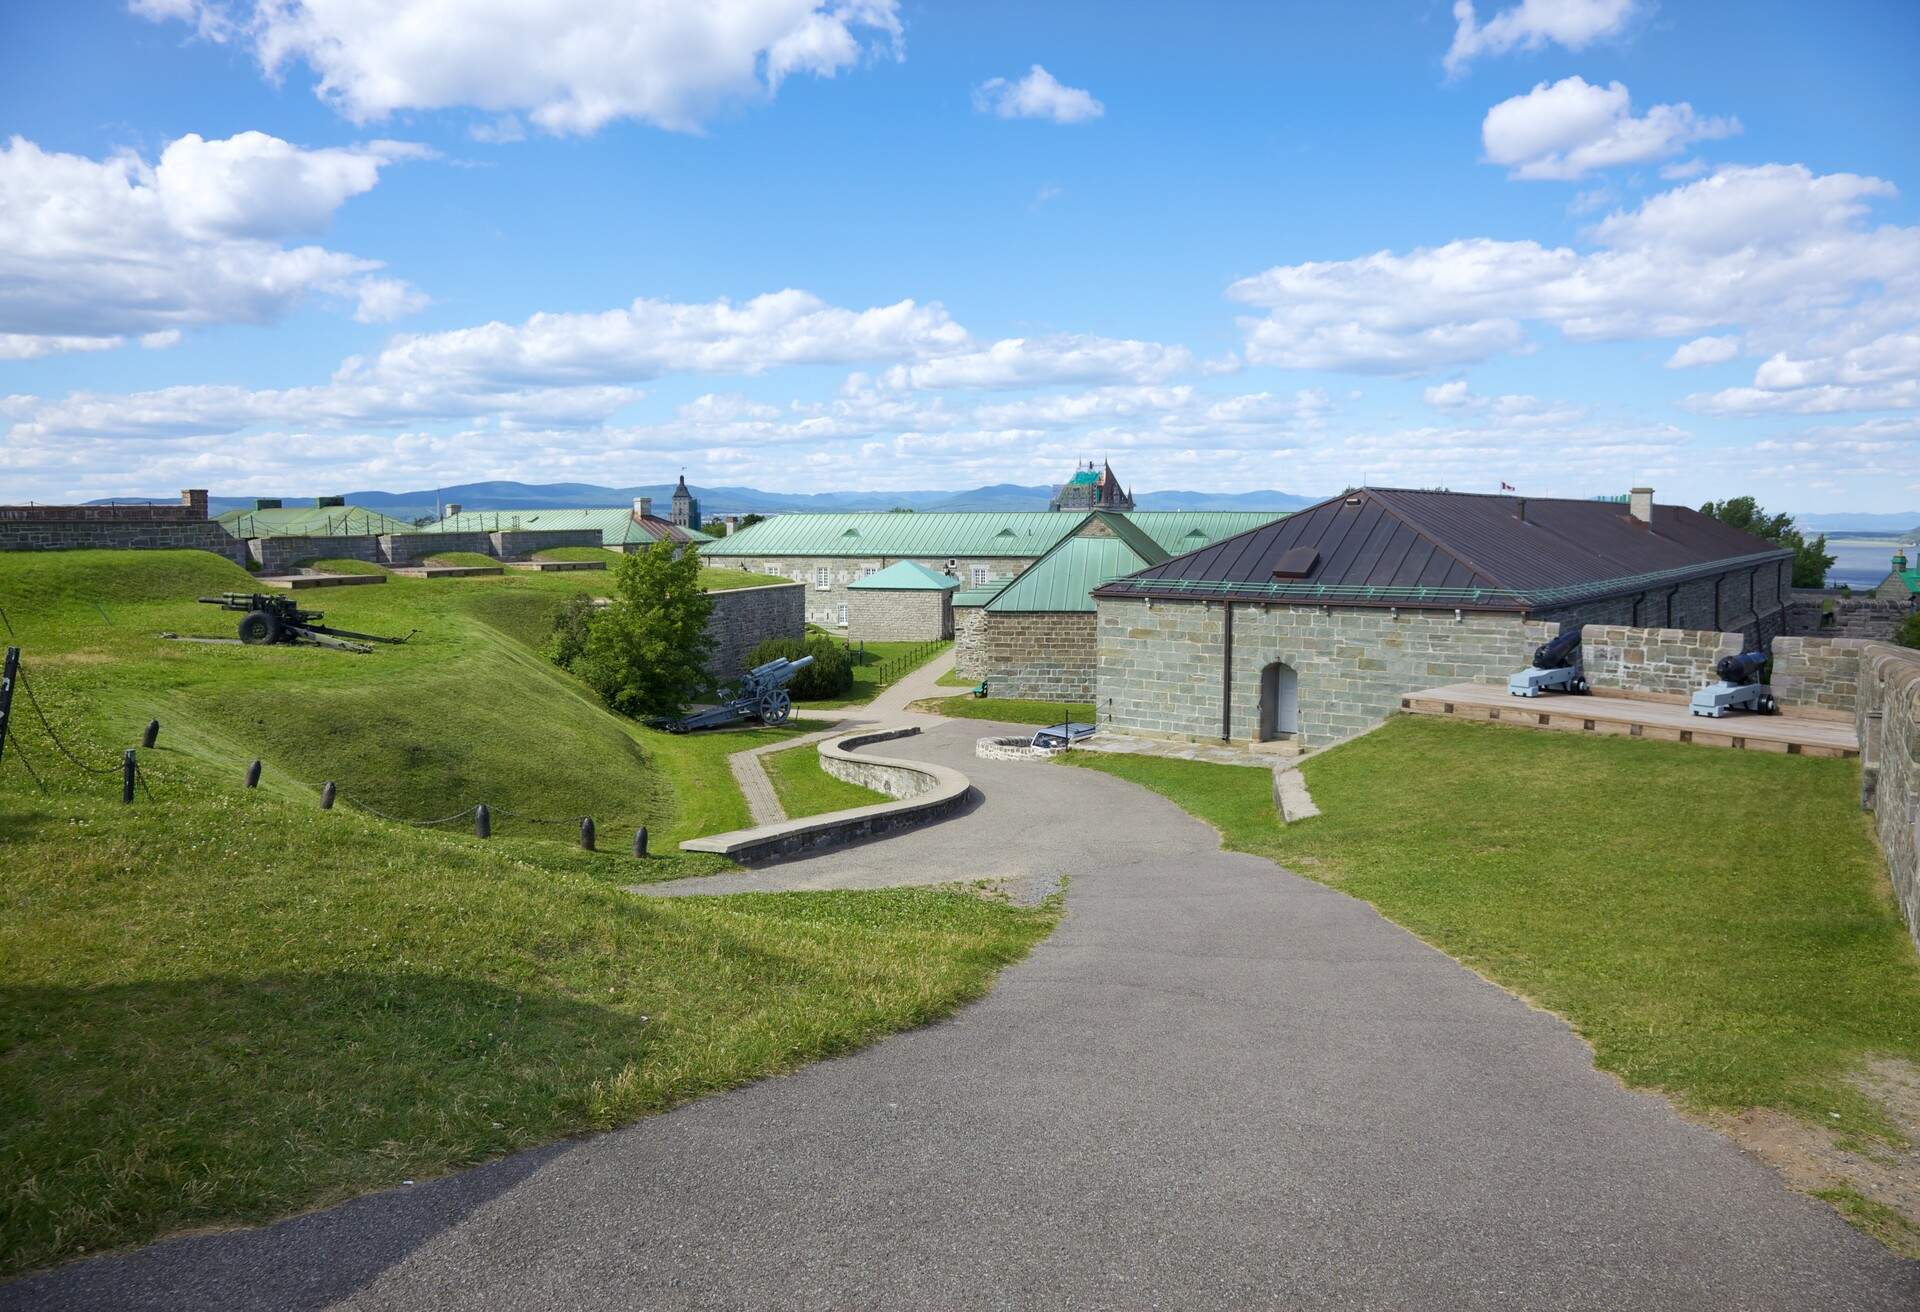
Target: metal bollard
column 253, row 775
column 326, row 795
column 482, row 821
column 640, row 841
column 152, row 735
column 586, row 832
column 128, row 767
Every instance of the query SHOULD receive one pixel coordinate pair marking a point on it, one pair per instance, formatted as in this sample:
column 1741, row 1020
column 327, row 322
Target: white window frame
column 868, row 571
column 979, row 576
column 822, row 578
column 840, row 617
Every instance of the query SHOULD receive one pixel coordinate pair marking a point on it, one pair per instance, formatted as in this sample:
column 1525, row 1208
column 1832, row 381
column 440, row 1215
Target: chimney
column 453, row 508
column 1640, row 504
column 1900, row 561
column 643, row 507
column 1520, row 509
column 329, row 503
column 195, row 499
column 266, row 503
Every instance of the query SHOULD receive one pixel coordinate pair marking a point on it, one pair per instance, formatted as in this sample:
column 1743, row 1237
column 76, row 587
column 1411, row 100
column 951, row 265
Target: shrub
column 568, row 641
column 1908, row 634
column 830, row 675
column 646, row 654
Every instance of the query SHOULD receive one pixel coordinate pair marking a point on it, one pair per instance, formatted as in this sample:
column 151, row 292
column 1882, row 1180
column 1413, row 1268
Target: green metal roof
column 1909, row 577
column 983, row 594
column 616, row 525
column 906, row 576
column 310, row 521
column 940, row 534
column 1107, row 548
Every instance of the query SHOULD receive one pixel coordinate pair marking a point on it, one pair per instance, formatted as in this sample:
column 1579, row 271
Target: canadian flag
column 1507, row 487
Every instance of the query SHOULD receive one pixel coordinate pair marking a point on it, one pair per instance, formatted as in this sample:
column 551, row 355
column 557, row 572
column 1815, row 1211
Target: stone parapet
column 1888, row 718
column 1666, row 663
column 1819, row 676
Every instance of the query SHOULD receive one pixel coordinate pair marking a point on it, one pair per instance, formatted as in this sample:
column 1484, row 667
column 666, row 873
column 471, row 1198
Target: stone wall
column 182, row 526
column 900, row 614
column 516, row 544
column 1038, row 656
column 280, row 555
column 1159, row 665
column 743, row 618
column 1887, row 713
column 1818, row 675
column 824, row 602
column 1664, row 663
column 967, row 659
column 1751, row 601
column 404, row 548
column 1831, row 615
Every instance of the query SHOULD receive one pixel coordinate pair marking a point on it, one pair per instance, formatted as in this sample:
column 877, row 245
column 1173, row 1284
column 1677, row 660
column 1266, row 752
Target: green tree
column 646, row 654
column 1908, row 634
column 714, row 528
column 748, row 521
column 1811, row 560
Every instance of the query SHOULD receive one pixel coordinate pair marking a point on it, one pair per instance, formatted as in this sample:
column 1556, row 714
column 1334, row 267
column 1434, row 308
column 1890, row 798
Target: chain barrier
column 34, row 702
column 359, row 805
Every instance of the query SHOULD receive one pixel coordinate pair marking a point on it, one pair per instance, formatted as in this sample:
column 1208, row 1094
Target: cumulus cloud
column 571, row 66
column 93, row 251
column 1531, row 25
column 1842, row 372
column 1704, row 350
column 1037, row 95
column 1031, row 361
column 1773, row 247
column 1568, row 129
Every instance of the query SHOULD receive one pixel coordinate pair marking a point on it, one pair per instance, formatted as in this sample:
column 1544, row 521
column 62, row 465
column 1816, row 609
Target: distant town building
column 1091, row 489
column 1903, row 584
column 686, row 508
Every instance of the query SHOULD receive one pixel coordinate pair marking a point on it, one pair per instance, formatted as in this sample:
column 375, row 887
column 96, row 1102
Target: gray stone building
column 904, row 602
column 1092, row 489
column 1311, row 629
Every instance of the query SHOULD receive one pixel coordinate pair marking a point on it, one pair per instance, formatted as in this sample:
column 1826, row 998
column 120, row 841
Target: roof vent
column 1296, row 563
column 1353, row 501
column 1640, row 504
column 851, row 533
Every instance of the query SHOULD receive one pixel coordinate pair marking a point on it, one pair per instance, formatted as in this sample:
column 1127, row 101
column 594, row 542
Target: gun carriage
column 761, row 695
column 268, row 618
column 1556, row 667
column 1739, row 689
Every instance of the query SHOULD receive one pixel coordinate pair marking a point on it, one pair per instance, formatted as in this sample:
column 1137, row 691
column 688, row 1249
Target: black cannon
column 761, row 695
column 268, row 618
column 1739, row 689
column 1556, row 665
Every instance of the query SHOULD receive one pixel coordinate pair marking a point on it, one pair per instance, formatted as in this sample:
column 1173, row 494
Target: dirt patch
column 1876, row 1184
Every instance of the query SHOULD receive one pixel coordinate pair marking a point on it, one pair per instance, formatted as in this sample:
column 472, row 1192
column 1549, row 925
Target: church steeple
column 686, row 508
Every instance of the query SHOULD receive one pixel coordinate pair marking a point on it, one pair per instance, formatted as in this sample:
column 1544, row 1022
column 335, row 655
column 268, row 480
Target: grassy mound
column 577, row 553
column 221, row 1006
column 466, row 559
column 340, row 565
column 720, row 580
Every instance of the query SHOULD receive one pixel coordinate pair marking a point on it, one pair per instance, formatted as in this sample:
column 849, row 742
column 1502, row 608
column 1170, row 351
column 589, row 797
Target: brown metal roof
column 1392, row 546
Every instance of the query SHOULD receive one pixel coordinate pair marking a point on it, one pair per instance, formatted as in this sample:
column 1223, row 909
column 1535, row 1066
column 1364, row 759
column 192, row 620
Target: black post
column 327, row 794
column 127, row 769
column 9, row 675
column 482, row 821
column 152, row 735
column 586, row 832
column 253, row 775
column 640, row 841
column 1226, row 676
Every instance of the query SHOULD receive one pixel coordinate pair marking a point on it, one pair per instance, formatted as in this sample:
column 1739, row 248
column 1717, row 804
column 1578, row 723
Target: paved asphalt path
column 1216, row 1085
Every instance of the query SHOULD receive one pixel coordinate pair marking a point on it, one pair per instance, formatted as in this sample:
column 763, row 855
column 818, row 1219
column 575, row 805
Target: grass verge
column 1007, row 710
column 578, row 553
column 805, row 788
column 462, row 558
column 722, row 580
column 877, row 666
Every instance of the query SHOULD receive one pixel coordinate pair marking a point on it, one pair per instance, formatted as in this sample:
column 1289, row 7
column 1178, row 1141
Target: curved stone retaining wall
column 924, row 792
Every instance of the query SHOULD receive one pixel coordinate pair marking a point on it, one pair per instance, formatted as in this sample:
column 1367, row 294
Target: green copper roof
column 906, row 576
column 1085, row 476
column 1106, row 548
column 616, row 525
column 983, row 594
column 310, row 521
column 939, row 535
column 1911, row 578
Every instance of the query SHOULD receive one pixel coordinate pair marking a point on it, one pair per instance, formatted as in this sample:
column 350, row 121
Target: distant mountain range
column 748, row 500
column 1902, row 522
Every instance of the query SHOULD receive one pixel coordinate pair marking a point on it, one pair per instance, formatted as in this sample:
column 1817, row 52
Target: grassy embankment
column 804, row 788
column 223, row 1006
column 464, row 559
column 1717, row 924
column 721, row 580
column 601, row 554
column 341, row 565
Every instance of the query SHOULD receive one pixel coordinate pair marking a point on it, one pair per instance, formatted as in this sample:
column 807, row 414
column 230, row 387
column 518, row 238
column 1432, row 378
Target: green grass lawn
column 720, row 580
column 1008, row 710
column 222, row 1006
column 955, row 679
column 341, row 565
column 877, row 666
column 578, row 553
column 463, row 558
column 804, row 788
column 1718, row 924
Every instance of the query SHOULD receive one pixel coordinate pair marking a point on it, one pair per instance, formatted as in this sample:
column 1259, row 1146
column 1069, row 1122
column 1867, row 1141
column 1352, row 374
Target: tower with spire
column 686, row 509
column 1092, row 488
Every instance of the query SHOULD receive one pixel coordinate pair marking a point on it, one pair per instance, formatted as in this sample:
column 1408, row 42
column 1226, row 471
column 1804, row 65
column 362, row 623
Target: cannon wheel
column 774, row 707
column 259, row 628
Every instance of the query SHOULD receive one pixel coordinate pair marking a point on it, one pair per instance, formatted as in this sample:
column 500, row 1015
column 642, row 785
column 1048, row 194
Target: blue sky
column 1565, row 244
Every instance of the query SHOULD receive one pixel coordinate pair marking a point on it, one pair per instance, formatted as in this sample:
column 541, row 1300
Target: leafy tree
column 646, row 654
column 1908, row 634
column 714, row 528
column 568, row 641
column 830, row 675
column 1810, row 559
column 748, row 521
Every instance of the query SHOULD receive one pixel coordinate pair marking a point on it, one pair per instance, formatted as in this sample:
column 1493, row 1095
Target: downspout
column 1226, row 678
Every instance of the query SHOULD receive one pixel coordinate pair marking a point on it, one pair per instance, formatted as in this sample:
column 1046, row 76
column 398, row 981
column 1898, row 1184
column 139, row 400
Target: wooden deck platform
column 1629, row 717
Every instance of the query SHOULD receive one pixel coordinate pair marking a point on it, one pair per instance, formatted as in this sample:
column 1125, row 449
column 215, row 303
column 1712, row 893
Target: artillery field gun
column 762, row 695
column 1739, row 688
column 268, row 618
column 1556, row 665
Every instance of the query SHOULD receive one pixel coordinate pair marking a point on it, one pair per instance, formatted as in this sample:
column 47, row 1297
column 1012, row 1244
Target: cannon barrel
column 1744, row 668
column 1557, row 653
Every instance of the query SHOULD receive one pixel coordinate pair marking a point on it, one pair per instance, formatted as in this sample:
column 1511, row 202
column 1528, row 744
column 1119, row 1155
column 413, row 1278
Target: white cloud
column 1568, row 129
column 92, row 251
column 1773, row 248
column 1704, row 350
column 382, row 300
column 1449, row 396
column 1531, row 25
column 571, row 66
column 1828, row 376
column 1032, row 361
column 1037, row 95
